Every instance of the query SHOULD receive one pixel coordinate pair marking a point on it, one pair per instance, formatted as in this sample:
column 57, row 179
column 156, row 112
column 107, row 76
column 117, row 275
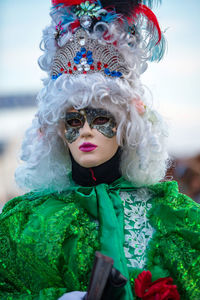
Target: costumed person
column 93, row 158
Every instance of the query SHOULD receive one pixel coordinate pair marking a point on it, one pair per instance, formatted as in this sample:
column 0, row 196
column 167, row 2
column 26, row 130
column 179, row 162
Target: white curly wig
column 142, row 137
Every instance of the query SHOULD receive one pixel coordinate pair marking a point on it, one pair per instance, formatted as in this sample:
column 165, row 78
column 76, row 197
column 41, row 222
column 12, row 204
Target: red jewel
column 84, row 55
column 75, row 68
column 84, row 72
column 99, row 63
column 61, row 69
column 92, row 67
column 70, row 71
column 65, row 72
column 105, row 66
column 69, row 64
column 99, row 68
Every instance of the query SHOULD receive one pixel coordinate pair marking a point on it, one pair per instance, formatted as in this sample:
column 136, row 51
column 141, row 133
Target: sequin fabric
column 137, row 228
column 48, row 240
column 47, row 246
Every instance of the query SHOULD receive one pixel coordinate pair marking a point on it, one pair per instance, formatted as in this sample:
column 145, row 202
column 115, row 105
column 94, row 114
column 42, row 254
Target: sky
column 174, row 81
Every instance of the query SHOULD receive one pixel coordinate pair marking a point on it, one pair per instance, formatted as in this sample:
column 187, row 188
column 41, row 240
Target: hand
column 73, row 296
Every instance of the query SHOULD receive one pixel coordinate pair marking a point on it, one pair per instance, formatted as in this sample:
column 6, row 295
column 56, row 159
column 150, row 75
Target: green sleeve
column 176, row 244
column 49, row 293
column 13, row 219
column 47, row 245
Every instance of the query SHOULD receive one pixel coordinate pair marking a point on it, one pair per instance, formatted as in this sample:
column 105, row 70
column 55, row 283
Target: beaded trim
column 84, row 55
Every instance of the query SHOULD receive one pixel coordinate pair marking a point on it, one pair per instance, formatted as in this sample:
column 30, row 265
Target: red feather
column 66, row 2
column 147, row 12
column 75, row 25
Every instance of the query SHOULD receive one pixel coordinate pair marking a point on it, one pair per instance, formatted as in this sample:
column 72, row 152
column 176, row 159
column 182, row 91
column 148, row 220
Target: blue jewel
column 90, row 61
column 107, row 71
column 118, row 74
column 89, row 54
column 83, row 50
column 53, row 77
column 79, row 55
column 113, row 74
column 76, row 60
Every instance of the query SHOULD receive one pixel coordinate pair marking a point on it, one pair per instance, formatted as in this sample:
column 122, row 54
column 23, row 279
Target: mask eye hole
column 74, row 123
column 100, row 121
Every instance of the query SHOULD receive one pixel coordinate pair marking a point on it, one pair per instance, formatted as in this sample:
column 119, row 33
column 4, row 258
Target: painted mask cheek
column 73, row 123
column 72, row 134
column 106, row 129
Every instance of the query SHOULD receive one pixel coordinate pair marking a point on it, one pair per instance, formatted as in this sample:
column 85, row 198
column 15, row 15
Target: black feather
column 124, row 7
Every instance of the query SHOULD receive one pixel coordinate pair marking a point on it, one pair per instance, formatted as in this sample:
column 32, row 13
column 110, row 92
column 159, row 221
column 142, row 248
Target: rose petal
column 142, row 282
column 161, row 289
column 164, row 280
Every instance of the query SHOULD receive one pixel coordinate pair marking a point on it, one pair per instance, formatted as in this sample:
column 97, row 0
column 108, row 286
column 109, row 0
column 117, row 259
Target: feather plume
column 157, row 51
column 151, row 19
column 151, row 3
column 124, row 7
column 66, row 2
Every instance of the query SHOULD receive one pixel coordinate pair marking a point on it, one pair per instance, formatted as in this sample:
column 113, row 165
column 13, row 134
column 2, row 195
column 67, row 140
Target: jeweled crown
column 84, row 55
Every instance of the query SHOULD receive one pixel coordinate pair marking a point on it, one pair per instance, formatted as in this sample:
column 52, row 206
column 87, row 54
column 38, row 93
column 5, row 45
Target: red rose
column 161, row 289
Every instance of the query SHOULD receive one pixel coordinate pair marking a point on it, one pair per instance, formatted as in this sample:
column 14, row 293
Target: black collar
column 105, row 173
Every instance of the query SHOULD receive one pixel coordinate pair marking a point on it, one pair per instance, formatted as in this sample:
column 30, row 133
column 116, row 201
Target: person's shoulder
column 41, row 210
column 167, row 192
column 164, row 188
column 22, row 203
column 173, row 209
column 29, row 202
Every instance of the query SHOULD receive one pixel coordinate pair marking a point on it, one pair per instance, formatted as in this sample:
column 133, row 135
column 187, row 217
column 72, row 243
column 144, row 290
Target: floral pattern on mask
column 97, row 118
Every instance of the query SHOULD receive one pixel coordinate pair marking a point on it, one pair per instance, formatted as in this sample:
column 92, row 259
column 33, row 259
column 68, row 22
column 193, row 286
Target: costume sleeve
column 47, row 246
column 49, row 293
column 176, row 245
column 184, row 246
column 12, row 284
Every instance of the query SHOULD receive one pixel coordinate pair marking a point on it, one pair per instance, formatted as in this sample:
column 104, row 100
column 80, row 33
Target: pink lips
column 87, row 147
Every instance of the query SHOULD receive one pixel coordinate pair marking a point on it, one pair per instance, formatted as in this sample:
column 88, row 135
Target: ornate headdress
column 79, row 51
column 84, row 55
column 94, row 53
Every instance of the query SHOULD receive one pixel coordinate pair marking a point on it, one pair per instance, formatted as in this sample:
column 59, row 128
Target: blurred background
column 174, row 84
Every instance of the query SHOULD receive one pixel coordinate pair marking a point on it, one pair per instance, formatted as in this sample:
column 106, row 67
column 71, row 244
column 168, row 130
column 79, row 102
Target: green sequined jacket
column 48, row 240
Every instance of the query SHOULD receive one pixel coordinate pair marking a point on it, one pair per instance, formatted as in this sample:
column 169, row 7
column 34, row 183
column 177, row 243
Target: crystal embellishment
column 91, row 55
column 88, row 9
column 86, row 21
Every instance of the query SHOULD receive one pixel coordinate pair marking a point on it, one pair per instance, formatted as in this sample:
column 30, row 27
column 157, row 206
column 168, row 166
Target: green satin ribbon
column 104, row 204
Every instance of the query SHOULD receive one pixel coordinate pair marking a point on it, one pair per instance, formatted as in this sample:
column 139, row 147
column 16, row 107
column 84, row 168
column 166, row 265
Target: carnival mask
column 97, row 118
